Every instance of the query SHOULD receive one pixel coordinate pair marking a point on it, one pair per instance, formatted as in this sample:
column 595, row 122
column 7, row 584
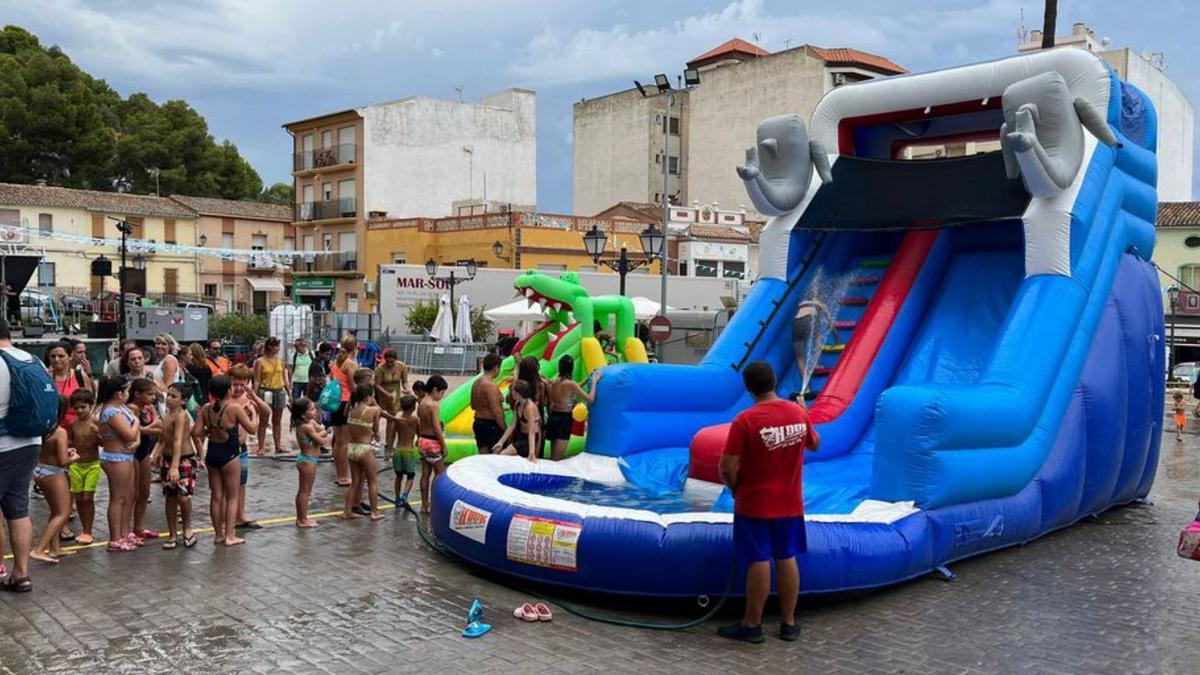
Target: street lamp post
column 653, row 245
column 431, row 268
column 125, row 228
column 1173, row 297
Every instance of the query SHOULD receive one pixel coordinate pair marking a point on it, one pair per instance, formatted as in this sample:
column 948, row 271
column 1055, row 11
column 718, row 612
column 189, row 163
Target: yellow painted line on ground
column 208, row 530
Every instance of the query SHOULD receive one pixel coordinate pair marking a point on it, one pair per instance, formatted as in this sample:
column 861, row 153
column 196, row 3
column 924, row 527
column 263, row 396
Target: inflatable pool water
column 992, row 368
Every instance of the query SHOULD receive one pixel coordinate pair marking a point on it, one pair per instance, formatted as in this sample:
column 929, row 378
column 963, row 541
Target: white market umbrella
column 518, row 310
column 645, row 309
column 462, row 323
column 443, row 325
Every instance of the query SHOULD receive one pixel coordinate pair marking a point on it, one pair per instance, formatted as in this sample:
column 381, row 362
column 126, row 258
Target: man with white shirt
column 18, row 457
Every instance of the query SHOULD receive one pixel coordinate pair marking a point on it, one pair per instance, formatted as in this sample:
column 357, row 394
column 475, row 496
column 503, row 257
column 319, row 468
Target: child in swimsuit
column 242, row 395
column 362, row 428
column 222, row 423
column 311, row 437
column 432, row 441
column 143, row 397
column 563, row 392
column 120, row 434
column 84, row 473
column 51, row 476
column 1180, row 416
column 178, row 465
column 405, row 458
column 525, row 426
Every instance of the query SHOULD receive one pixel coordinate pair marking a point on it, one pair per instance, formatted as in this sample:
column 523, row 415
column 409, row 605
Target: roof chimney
column 1078, row 29
column 1035, row 36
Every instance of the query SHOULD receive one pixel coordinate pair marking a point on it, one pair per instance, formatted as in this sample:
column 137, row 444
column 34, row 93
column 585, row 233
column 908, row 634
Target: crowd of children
column 192, row 410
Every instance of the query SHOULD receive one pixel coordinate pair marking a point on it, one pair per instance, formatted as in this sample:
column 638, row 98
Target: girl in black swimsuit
column 219, row 423
column 526, row 426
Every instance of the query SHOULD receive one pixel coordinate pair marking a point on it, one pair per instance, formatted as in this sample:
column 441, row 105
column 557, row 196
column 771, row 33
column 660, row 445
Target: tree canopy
column 61, row 125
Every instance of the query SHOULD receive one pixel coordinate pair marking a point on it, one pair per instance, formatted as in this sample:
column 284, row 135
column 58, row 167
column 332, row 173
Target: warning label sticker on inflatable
column 543, row 542
column 469, row 521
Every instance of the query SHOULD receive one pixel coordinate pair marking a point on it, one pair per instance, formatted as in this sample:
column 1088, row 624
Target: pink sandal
column 543, row 612
column 122, row 546
column 526, row 612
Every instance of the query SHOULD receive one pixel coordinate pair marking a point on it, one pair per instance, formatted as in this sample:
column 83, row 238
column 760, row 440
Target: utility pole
column 1049, row 19
column 125, row 229
column 662, row 309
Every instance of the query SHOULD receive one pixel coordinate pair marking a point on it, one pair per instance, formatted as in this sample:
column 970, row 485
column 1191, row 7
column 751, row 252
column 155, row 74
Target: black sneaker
column 789, row 633
column 739, row 631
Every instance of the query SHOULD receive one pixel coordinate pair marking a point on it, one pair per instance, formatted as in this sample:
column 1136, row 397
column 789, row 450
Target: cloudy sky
column 248, row 66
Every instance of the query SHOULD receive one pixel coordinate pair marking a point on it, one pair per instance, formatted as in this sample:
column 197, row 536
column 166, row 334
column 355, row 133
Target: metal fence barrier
column 441, row 357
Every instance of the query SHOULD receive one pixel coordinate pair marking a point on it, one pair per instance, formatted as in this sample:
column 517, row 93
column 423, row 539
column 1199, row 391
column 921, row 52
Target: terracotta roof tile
column 12, row 194
column 1178, row 214
column 721, row 232
column 736, row 45
column 230, row 208
column 845, row 56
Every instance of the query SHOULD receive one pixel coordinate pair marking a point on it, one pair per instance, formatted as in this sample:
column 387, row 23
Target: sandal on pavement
column 169, row 545
column 189, row 542
column 248, row 525
column 66, row 536
column 3, row 570
column 14, row 585
column 85, row 539
column 148, row 534
column 121, row 546
column 526, row 612
column 543, row 611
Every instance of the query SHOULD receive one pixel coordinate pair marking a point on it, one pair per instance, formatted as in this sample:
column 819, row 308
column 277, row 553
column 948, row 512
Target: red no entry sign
column 660, row 328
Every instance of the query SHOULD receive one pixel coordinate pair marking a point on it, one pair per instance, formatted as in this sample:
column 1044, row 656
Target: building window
column 706, row 268
column 326, row 139
column 674, row 126
column 308, row 152
column 346, row 242
column 210, row 290
column 289, row 243
column 327, row 242
column 399, row 258
column 1189, row 275
column 1192, row 242
column 310, row 242
column 673, row 166
column 733, row 269
column 658, row 158
column 46, row 274
column 45, row 224
column 327, row 191
column 551, row 267
column 587, row 268
column 227, row 240
column 258, row 242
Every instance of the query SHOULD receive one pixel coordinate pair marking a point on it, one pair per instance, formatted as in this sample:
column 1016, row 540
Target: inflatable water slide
column 979, row 339
column 571, row 316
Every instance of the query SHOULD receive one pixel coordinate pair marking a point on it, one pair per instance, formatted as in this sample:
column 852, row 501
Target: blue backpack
column 32, row 399
column 331, row 396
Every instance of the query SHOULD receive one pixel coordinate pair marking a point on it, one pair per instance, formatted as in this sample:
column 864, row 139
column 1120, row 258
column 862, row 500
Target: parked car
column 75, row 303
column 197, row 305
column 1186, row 372
column 35, row 304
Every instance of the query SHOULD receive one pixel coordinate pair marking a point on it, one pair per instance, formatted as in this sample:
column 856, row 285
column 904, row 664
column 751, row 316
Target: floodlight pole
column 662, row 308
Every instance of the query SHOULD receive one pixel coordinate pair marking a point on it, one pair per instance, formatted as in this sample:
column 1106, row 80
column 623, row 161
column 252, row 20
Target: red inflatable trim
column 856, row 359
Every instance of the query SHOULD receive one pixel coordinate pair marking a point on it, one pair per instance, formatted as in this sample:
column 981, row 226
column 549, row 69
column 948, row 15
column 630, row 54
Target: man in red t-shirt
column 762, row 465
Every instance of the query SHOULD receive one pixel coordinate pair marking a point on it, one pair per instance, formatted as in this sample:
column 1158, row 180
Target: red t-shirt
column 769, row 439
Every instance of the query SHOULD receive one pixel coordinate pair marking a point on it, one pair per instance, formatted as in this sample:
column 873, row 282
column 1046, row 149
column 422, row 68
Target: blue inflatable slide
column 979, row 339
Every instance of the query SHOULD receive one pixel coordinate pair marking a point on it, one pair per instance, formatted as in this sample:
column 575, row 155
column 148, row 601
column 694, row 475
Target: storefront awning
column 267, row 284
column 314, row 292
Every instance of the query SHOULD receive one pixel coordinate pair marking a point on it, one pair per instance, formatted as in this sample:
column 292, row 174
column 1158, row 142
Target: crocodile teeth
column 557, row 306
column 529, row 292
column 542, row 303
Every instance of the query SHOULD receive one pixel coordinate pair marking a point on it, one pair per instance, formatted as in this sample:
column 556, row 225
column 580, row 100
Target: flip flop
column 66, row 537
column 3, row 570
column 526, row 612
column 24, row 585
column 85, row 539
column 248, row 525
column 476, row 629
column 170, row 545
column 189, row 542
column 476, row 612
column 543, row 612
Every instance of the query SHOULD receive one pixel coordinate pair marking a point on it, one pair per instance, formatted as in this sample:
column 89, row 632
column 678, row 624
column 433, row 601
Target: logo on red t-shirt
column 774, row 438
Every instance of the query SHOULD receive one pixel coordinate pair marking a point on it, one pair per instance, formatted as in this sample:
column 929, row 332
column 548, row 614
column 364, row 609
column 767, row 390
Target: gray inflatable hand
column 779, row 166
column 1042, row 134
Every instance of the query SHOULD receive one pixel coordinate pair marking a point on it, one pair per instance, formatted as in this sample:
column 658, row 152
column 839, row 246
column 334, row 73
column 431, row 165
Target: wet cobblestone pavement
column 1108, row 595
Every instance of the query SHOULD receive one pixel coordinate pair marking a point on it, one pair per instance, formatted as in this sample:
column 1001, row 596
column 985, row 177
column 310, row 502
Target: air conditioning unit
column 370, row 287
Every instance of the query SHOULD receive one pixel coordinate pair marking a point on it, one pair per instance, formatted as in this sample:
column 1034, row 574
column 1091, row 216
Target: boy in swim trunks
column 432, row 441
column 242, row 395
column 488, row 405
column 563, row 392
column 84, row 473
column 178, row 470
column 1180, row 416
column 405, row 458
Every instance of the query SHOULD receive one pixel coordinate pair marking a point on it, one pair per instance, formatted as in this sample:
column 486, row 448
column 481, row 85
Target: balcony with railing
column 314, row 262
column 313, row 160
column 326, row 210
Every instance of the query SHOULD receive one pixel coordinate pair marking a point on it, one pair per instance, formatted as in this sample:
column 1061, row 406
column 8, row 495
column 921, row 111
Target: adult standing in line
column 113, row 367
column 391, row 383
column 762, row 465
column 198, row 368
column 488, row 405
column 216, row 362
column 18, row 457
column 133, row 364
column 80, row 361
column 271, row 381
column 66, row 378
column 301, row 361
column 167, row 371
